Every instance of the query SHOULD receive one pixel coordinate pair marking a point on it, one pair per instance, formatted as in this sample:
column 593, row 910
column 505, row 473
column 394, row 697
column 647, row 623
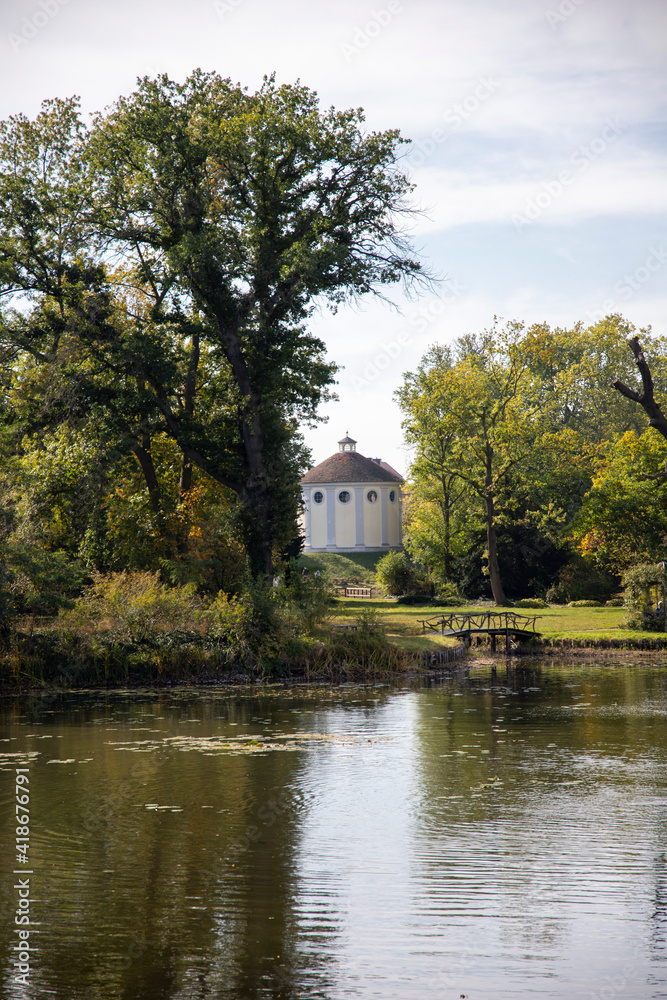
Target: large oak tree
column 162, row 264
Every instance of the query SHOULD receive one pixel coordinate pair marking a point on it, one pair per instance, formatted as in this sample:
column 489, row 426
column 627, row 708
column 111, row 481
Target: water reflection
column 497, row 835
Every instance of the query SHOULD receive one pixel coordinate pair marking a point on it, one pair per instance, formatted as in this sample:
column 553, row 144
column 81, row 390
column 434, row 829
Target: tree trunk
column 185, row 480
column 446, row 517
column 258, row 527
column 184, row 487
column 142, row 451
column 494, row 569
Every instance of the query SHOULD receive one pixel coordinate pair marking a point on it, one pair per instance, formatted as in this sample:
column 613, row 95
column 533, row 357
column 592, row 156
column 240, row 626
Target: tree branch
column 645, row 399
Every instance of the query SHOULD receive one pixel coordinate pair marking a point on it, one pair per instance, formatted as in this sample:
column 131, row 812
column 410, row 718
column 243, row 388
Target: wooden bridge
column 493, row 624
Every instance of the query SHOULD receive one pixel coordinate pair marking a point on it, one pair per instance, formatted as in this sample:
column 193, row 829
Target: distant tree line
column 535, row 472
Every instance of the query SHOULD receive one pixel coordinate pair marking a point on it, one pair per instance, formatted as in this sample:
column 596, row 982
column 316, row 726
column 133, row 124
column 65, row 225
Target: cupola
column 347, row 443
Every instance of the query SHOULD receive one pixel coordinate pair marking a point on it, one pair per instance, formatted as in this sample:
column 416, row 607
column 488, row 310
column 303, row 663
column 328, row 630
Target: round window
column 371, row 496
column 318, row 496
column 392, row 495
column 344, row 496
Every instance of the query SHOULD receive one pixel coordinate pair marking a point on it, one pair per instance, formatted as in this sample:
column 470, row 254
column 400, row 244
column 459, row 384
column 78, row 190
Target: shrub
column 449, row 596
column 448, row 602
column 227, row 618
column 531, row 602
column 41, row 582
column 135, row 606
column 368, row 621
column 641, row 584
column 396, row 575
column 585, row 604
column 556, row 595
column 581, row 580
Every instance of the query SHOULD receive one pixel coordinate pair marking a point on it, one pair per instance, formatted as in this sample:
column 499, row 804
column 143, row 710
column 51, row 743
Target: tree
column 479, row 419
column 646, row 398
column 623, row 518
column 436, row 489
column 509, row 429
column 166, row 262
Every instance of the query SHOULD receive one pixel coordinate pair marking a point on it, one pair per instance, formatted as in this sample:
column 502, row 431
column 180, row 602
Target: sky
column 538, row 150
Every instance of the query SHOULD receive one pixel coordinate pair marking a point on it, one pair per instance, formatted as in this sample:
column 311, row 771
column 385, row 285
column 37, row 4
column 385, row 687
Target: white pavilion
column 352, row 503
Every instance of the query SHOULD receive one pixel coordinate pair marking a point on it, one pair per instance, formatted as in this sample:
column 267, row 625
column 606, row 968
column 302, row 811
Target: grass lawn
column 403, row 624
column 354, row 569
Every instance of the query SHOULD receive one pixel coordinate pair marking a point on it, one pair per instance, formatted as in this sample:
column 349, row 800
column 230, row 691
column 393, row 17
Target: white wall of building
column 370, row 519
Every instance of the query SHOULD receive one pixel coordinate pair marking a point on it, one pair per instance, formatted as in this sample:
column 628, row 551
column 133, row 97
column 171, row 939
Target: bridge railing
column 485, row 621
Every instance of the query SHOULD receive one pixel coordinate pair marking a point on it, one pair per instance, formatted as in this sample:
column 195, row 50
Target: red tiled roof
column 351, row 467
column 387, row 467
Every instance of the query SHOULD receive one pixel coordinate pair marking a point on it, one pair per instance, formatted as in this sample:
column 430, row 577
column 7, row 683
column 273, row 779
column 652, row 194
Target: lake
column 491, row 834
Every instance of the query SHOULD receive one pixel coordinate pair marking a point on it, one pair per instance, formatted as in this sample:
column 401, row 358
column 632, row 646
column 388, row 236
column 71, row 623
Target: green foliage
column 623, row 519
column 136, row 607
column 368, row 620
column 582, row 580
column 396, row 575
column 40, row 582
column 309, row 598
column 228, row 620
column 523, row 448
column 642, row 587
column 586, row 604
column 449, row 592
column 531, row 602
column 267, row 627
column 158, row 270
column 352, row 569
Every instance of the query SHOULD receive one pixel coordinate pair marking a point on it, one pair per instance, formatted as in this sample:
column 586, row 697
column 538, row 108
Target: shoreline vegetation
column 358, row 639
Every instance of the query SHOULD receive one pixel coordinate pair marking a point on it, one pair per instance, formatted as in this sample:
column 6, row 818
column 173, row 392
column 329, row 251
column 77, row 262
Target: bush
column 228, row 619
column 368, row 621
column 396, row 575
column 641, row 585
column 449, row 596
column 135, row 606
column 581, row 580
column 556, row 595
column 41, row 582
column 531, row 602
column 585, row 604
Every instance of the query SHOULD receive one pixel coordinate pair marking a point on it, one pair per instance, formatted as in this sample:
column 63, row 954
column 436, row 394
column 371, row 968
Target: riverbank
column 559, row 626
column 364, row 640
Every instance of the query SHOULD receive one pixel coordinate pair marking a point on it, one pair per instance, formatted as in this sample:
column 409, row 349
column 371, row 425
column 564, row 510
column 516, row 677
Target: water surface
column 494, row 835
